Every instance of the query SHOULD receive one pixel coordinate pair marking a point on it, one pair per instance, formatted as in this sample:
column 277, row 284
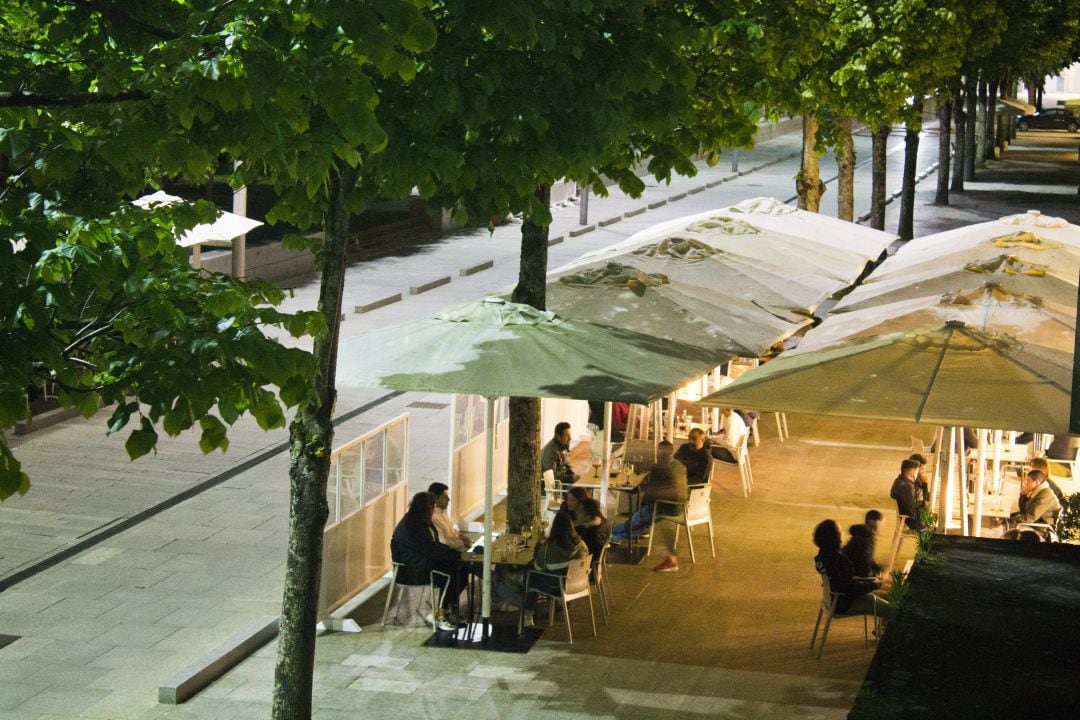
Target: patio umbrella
column 226, row 227
column 1027, row 320
column 725, row 304
column 1004, row 273
column 497, row 348
column 948, row 374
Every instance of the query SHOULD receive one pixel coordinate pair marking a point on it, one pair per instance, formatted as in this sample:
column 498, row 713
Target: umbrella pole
column 980, row 484
column 964, row 529
column 606, row 461
column 658, row 411
column 671, row 403
column 946, row 499
column 996, row 467
column 485, row 608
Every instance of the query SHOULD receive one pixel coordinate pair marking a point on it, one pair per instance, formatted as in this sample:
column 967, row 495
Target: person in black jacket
column 904, row 493
column 415, row 544
column 860, row 547
column 855, row 593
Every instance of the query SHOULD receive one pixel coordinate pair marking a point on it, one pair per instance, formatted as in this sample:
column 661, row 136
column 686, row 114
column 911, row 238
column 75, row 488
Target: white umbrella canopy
column 226, row 227
column 948, row 375
column 1005, row 272
column 989, row 310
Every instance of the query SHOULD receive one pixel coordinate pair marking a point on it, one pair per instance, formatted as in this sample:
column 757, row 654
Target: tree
column 163, row 88
column 533, row 93
column 98, row 299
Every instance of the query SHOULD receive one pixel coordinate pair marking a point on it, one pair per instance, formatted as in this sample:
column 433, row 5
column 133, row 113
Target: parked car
column 1050, row 119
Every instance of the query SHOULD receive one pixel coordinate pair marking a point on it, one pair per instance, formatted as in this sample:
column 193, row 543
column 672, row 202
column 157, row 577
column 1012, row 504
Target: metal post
column 980, row 484
column 606, row 460
column 489, row 474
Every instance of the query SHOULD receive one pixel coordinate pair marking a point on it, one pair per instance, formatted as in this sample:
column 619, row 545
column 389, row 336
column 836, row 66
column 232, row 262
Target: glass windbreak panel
column 395, row 454
column 461, row 420
column 502, row 410
column 331, row 493
column 352, row 490
column 373, row 466
column 479, row 415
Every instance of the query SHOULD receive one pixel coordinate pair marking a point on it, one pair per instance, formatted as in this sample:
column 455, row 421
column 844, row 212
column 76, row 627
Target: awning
column 1016, row 106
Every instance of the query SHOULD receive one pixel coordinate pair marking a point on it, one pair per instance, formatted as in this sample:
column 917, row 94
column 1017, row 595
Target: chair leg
column 817, row 625
column 779, row 427
column 390, row 596
column 689, row 537
column 592, row 614
column 603, row 608
column 675, row 545
column 652, row 531
column 551, row 611
column 566, row 617
column 824, row 634
column 712, row 540
column 756, row 433
column 865, row 633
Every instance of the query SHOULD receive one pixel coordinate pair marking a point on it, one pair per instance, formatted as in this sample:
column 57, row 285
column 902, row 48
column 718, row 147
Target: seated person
column 733, row 431
column 903, row 492
column 415, row 544
column 860, row 547
column 1063, row 447
column 592, row 527
column 922, row 486
column 1038, row 504
column 665, row 481
column 448, row 531
column 555, row 456
column 553, row 555
column 855, row 592
column 1043, row 466
column 695, row 457
column 573, row 499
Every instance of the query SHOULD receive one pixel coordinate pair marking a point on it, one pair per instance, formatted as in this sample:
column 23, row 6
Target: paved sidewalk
column 100, row 631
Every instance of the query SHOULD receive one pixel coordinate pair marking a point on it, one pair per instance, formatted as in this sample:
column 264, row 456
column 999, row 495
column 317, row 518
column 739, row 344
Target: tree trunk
column 311, row 437
column 523, row 481
column 911, row 158
column 808, row 183
column 980, row 123
column 960, row 123
column 971, row 105
column 845, row 167
column 991, row 122
column 944, row 151
column 877, row 172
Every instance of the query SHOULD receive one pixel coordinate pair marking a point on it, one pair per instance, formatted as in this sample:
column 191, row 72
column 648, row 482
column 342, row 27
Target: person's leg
column 723, row 454
column 664, row 540
column 640, row 520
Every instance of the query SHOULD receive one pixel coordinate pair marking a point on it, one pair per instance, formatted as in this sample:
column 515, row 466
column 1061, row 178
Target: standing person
column 732, row 434
column 1038, row 504
column 665, row 481
column 415, row 544
column 555, row 455
column 447, row 529
column 903, row 492
column 855, row 592
column 695, row 456
column 861, row 546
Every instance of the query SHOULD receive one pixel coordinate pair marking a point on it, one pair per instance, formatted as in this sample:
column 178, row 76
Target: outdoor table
column 509, row 550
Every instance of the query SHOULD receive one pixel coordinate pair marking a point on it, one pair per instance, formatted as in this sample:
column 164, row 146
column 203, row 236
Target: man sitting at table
column 922, row 485
column 733, row 432
column 903, row 492
column 1038, row 504
column 665, row 481
column 695, row 456
column 448, row 531
column 555, row 455
column 1042, row 465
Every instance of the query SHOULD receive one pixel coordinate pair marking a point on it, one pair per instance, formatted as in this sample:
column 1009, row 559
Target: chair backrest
column 577, row 577
column 828, row 597
column 698, row 510
column 549, row 480
column 917, row 445
column 598, row 566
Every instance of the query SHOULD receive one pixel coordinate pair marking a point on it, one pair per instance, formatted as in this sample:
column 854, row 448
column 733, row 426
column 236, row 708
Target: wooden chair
column 827, row 609
column 572, row 586
column 696, row 511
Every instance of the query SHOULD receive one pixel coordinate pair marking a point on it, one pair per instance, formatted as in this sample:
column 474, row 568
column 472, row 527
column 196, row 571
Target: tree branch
column 79, row 99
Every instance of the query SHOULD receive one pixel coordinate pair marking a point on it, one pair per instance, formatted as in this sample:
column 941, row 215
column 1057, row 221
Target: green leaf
column 141, row 441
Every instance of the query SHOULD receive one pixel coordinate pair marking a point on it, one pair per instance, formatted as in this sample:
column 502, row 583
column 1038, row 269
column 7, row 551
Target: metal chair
column 902, row 533
column 402, row 587
column 572, row 586
column 742, row 460
column 696, row 511
column 598, row 577
column 829, row 599
column 1048, row 531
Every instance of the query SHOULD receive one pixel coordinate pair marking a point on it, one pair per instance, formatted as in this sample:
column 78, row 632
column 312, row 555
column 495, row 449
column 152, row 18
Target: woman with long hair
column 855, row 592
column 415, row 544
column 592, row 527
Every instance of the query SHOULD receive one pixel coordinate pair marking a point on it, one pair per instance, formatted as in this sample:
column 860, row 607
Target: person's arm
column 1037, row 506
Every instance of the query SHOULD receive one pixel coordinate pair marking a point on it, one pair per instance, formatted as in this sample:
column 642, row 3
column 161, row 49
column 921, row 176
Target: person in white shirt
column 448, row 531
column 725, row 445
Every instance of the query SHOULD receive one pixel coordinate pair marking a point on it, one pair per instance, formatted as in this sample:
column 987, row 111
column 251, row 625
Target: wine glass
column 596, row 468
